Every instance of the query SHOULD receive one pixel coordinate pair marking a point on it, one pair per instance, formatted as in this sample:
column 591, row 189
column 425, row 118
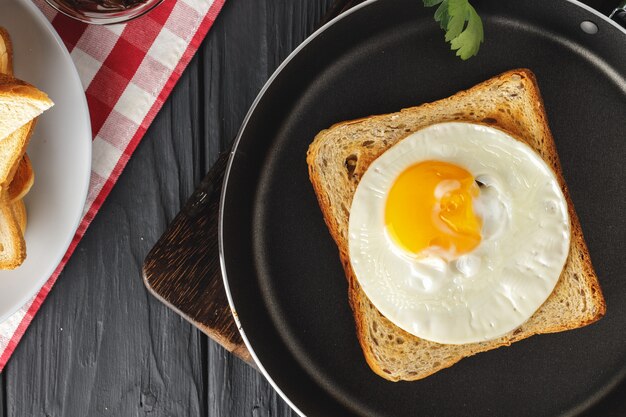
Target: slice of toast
column 6, row 53
column 12, row 244
column 22, row 181
column 19, row 211
column 340, row 155
column 20, row 103
column 12, row 149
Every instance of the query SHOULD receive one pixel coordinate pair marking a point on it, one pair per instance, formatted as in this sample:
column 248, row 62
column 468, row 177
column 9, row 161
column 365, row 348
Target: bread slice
column 12, row 150
column 20, row 102
column 22, row 181
column 12, row 244
column 19, row 211
column 6, row 53
column 340, row 155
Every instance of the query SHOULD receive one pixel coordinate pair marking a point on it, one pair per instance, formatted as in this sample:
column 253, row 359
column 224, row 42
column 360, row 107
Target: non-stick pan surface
column 282, row 269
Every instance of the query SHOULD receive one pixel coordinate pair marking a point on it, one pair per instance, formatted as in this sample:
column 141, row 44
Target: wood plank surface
column 101, row 345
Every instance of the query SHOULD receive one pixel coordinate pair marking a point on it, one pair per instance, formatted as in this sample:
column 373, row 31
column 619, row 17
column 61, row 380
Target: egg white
column 496, row 287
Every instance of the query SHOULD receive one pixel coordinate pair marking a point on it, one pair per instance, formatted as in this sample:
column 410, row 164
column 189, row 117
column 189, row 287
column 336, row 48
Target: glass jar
column 104, row 12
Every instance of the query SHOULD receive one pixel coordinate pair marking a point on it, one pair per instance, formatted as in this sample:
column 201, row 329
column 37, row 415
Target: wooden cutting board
column 183, row 268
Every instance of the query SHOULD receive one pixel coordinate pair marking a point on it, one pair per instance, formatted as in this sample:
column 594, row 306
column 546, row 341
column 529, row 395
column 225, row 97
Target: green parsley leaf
column 468, row 42
column 441, row 15
column 463, row 26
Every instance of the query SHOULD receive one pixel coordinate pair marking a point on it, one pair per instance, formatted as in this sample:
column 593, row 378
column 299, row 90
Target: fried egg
column 458, row 233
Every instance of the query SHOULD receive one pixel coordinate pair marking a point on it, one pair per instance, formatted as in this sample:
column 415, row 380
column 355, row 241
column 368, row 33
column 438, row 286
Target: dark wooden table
column 101, row 345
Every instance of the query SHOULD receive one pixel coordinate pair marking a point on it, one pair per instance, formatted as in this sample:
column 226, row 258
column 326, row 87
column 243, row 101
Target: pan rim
column 233, row 151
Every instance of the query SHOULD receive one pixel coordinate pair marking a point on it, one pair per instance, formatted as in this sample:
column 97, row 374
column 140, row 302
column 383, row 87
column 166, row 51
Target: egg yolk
column 430, row 206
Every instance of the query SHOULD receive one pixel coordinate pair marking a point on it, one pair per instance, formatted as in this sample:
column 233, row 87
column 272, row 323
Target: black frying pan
column 281, row 267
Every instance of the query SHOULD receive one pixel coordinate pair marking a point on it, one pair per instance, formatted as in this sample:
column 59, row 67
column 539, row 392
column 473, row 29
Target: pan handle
column 183, row 270
column 619, row 14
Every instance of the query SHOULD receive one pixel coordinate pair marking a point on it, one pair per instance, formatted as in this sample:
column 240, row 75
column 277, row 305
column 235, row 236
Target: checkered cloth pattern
column 127, row 71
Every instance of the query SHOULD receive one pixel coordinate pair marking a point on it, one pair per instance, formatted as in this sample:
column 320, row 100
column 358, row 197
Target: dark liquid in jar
column 102, row 5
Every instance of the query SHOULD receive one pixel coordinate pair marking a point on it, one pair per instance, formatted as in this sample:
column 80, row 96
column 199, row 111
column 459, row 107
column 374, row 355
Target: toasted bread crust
column 14, row 87
column 22, row 180
column 19, row 210
column 15, row 144
column 13, row 246
column 366, row 315
column 6, row 52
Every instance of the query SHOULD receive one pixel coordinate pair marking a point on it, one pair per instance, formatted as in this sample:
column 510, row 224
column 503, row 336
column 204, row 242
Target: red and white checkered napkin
column 127, row 72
